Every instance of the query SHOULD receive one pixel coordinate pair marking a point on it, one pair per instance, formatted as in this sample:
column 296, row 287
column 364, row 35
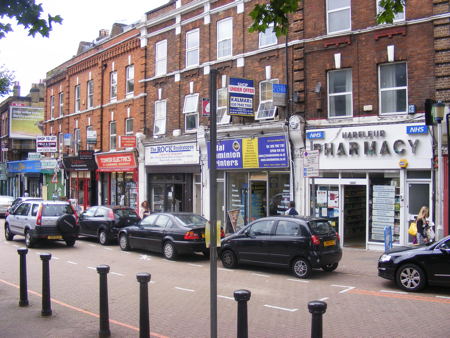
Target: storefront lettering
column 364, row 134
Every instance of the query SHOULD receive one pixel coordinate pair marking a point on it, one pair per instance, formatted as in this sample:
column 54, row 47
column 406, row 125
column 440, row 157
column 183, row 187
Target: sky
column 31, row 58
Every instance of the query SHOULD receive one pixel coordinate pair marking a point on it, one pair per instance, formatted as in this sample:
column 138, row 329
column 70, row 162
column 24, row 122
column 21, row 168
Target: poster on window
column 333, row 199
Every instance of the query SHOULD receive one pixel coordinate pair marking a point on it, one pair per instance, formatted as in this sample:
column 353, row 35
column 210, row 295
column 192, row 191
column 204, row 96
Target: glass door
column 418, row 196
column 258, row 200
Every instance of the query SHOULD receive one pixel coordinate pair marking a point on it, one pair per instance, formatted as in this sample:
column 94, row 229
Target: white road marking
column 323, row 299
column 348, row 288
column 390, row 291
column 280, row 308
column 117, row 274
column 70, row 262
column 54, row 257
column 183, row 289
column 92, row 244
column 223, row 269
column 197, row 265
column 144, row 257
column 443, row 297
column 261, row 275
column 225, row 297
column 15, row 245
column 108, row 249
column 92, row 268
column 298, row 280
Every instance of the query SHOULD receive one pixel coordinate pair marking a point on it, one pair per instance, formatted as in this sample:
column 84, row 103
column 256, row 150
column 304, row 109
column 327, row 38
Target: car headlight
column 385, row 258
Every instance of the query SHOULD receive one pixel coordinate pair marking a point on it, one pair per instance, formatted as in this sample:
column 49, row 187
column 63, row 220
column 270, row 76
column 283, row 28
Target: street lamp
column 439, row 108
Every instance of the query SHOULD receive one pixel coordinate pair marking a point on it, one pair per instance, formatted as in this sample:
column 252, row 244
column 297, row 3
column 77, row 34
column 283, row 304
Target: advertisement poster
column 241, row 92
column 116, row 162
column 26, row 122
column 46, row 144
column 333, row 199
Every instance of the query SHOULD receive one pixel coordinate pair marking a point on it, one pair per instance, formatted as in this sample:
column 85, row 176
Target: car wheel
column 410, row 277
column 330, row 267
column 123, row 242
column 29, row 242
column 8, row 235
column 169, row 250
column 229, row 259
column 103, row 237
column 70, row 242
column 301, row 268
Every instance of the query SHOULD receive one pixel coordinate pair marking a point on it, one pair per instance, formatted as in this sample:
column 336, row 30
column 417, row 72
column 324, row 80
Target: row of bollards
column 316, row 308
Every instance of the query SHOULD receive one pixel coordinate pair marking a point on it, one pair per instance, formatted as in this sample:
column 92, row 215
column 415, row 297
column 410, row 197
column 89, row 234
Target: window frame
column 396, row 19
column 195, row 49
column 190, row 113
column 52, row 107
column 222, row 118
column 267, row 35
column 339, row 93
column 89, row 146
column 162, row 103
column 61, row 104
column 262, row 102
column 61, row 142
column 399, row 88
column 340, row 9
column 90, row 93
column 160, row 61
column 112, row 136
column 77, row 96
column 229, row 36
column 113, row 85
column 77, row 140
column 127, row 125
column 129, row 80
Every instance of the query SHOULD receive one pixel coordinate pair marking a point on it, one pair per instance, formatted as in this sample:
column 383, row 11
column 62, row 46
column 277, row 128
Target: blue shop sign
column 315, row 135
column 26, row 166
column 423, row 129
column 241, row 92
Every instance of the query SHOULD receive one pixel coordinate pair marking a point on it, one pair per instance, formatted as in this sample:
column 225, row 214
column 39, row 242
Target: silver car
column 5, row 204
column 36, row 220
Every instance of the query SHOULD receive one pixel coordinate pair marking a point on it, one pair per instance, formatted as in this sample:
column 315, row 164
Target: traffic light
column 428, row 115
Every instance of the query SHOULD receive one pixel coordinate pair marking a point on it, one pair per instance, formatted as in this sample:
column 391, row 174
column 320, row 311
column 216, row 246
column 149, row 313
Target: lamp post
column 439, row 108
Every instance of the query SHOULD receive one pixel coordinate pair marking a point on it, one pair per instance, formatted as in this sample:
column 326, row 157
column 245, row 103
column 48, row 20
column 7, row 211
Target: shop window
column 393, row 88
column 340, row 93
column 192, row 47
column 418, row 174
column 112, row 135
column 113, row 86
column 129, row 126
column 397, row 17
column 266, row 108
column 61, row 104
column 52, row 106
column 77, row 99
column 224, row 38
column 129, row 79
column 90, row 93
column 190, row 111
column 279, row 193
column 160, row 117
column 222, row 106
column 161, row 58
column 268, row 37
column 338, row 16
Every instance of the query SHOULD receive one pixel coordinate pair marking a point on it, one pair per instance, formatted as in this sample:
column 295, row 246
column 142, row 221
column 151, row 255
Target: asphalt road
column 360, row 304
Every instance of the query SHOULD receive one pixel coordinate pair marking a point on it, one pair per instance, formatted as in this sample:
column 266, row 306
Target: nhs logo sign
column 417, row 129
column 315, row 135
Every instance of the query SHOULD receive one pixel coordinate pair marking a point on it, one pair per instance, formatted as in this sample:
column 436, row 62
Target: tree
column 276, row 12
column 6, row 79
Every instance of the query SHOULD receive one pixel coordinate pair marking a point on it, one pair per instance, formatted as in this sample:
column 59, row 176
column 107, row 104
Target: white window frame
column 61, row 142
column 389, row 89
column 266, row 103
column 89, row 146
column 61, row 104
column 224, row 34
column 77, row 98
column 129, row 82
column 129, row 122
column 340, row 9
column 340, row 93
column 194, row 48
column 161, row 58
column 189, row 111
column 52, row 107
column 90, row 93
column 77, row 140
column 222, row 106
column 268, row 37
column 113, row 85
column 112, row 135
column 399, row 17
column 160, row 117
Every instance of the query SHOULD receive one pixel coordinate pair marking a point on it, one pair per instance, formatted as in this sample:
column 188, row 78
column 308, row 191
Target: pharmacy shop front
column 371, row 177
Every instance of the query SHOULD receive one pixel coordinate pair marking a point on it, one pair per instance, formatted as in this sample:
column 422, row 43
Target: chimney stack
column 16, row 89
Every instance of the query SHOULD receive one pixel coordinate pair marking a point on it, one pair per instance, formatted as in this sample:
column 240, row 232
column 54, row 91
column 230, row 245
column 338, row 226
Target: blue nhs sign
column 315, row 135
column 417, row 129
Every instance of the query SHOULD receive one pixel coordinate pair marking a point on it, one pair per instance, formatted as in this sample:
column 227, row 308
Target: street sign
column 46, row 144
column 241, row 92
column 311, row 163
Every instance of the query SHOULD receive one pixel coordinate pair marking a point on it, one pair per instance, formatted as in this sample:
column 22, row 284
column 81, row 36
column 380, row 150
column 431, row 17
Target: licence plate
column 329, row 243
column 54, row 237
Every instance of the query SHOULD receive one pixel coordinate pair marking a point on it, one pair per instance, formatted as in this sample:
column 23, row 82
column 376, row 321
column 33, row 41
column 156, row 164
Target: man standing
column 291, row 210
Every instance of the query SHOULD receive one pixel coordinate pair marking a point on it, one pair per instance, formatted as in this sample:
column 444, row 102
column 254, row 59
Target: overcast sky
column 31, row 58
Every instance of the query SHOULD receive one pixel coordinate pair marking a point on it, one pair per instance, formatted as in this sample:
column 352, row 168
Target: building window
column 112, row 135
column 266, row 109
column 338, row 16
column 61, row 142
column 77, row 140
column 113, row 82
column 129, row 126
column 190, row 111
column 192, row 47
column 89, row 144
column 61, row 104
column 225, row 38
column 77, row 98
column 90, row 93
column 268, row 37
column 397, row 17
column 393, row 88
column 161, row 58
column 340, row 93
column 52, row 107
column 222, row 106
column 160, row 117
column 130, row 79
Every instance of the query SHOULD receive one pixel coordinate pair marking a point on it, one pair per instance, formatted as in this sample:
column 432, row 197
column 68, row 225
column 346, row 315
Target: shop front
column 52, row 179
column 3, row 179
column 371, row 179
column 24, row 177
column 117, row 176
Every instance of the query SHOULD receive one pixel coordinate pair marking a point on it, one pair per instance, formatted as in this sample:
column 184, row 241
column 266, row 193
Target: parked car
column 17, row 202
column 104, row 222
column 36, row 220
column 414, row 267
column 295, row 242
column 5, row 204
column 169, row 233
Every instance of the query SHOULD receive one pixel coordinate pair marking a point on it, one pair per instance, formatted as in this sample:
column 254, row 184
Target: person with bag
column 422, row 224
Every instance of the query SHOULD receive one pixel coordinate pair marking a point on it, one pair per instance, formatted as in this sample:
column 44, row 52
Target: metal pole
column 242, row 297
column 46, row 304
column 317, row 308
column 440, row 185
column 213, row 200
column 23, row 277
column 144, row 321
column 104, row 311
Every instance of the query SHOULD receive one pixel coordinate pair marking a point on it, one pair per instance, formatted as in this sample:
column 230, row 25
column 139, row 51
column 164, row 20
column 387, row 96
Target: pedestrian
column 145, row 209
column 422, row 225
column 26, row 194
column 291, row 210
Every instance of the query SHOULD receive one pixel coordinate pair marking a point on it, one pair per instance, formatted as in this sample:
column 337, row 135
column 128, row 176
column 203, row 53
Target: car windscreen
column 320, row 227
column 191, row 220
column 56, row 209
column 127, row 213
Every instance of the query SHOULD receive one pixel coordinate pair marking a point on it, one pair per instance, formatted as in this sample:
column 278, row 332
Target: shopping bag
column 412, row 229
column 430, row 234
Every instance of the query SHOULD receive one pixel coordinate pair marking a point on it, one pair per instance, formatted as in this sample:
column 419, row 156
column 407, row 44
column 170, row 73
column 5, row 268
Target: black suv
column 295, row 242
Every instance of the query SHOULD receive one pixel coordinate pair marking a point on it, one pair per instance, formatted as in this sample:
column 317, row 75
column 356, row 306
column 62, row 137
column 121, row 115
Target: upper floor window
column 338, row 16
column 77, row 140
column 61, row 104
column 77, row 98
column 190, row 111
column 112, row 135
column 129, row 126
column 192, row 47
column 113, row 84
column 224, row 38
column 90, row 93
column 266, row 108
column 268, row 37
column 61, row 142
column 161, row 58
column 89, row 143
column 393, row 88
column 340, row 93
column 397, row 17
column 130, row 79
column 160, row 117
column 52, row 107
column 222, row 106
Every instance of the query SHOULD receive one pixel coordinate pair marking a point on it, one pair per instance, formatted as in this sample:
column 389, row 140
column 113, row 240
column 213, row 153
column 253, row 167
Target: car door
column 439, row 264
column 100, row 218
column 138, row 235
column 86, row 222
column 288, row 240
column 16, row 220
column 26, row 221
column 154, row 234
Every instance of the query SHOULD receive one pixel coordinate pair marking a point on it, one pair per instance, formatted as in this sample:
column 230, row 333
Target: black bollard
column 46, row 305
column 144, row 321
column 317, row 309
column 104, row 312
column 23, row 277
column 242, row 297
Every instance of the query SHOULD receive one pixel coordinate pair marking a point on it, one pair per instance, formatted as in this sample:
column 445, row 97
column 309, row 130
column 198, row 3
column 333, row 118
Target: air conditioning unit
column 176, row 132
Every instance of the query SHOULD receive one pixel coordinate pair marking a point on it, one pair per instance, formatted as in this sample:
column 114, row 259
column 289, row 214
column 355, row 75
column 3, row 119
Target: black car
column 104, row 222
column 169, row 233
column 295, row 242
column 414, row 267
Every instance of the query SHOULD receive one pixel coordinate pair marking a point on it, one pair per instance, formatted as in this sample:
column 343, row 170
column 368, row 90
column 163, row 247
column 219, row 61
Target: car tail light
column 191, row 235
column 111, row 215
column 315, row 240
column 222, row 233
column 338, row 237
column 39, row 216
column 74, row 213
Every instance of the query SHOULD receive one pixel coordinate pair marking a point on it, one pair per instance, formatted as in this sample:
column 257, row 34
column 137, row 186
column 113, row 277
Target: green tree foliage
column 276, row 12
column 6, row 79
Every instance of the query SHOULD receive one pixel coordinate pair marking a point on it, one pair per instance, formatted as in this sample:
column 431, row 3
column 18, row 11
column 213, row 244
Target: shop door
column 80, row 191
column 418, row 196
column 258, row 200
column 354, row 215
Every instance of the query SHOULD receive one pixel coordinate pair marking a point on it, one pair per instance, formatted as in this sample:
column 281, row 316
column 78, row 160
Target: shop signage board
column 127, row 141
column 205, row 107
column 311, row 163
column 279, row 92
column 47, row 144
column 49, row 164
column 67, row 140
column 74, row 163
column 113, row 162
column 240, row 93
column 91, row 136
column 172, row 154
column 34, row 156
column 86, row 154
column 33, row 166
column 26, row 122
